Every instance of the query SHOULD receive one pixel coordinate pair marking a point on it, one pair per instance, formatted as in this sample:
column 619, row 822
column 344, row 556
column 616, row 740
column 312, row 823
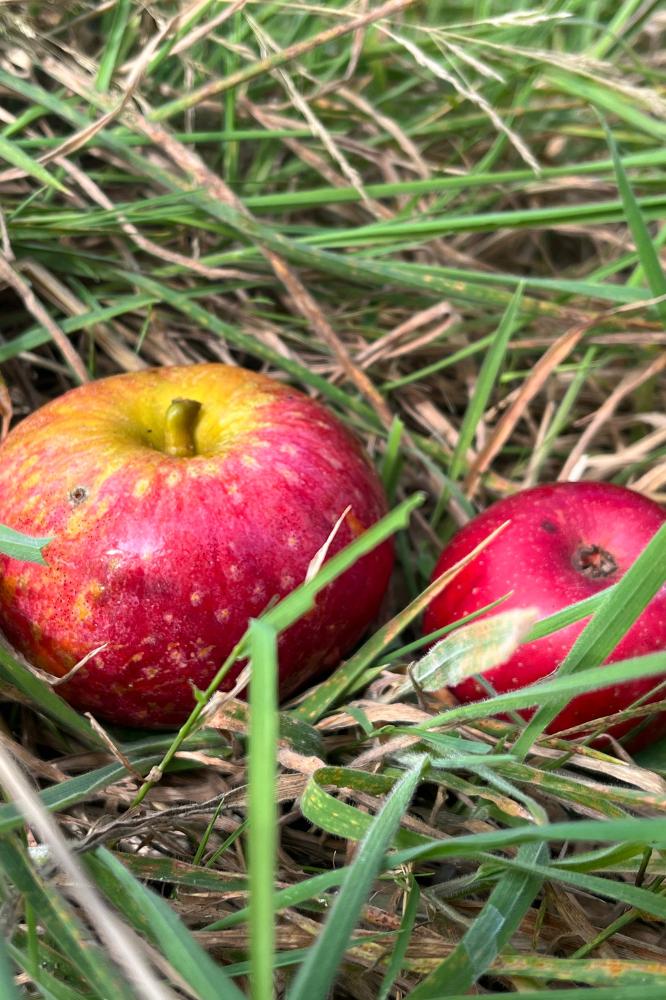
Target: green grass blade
column 263, row 814
column 555, row 692
column 19, row 546
column 490, row 368
column 114, row 43
column 13, row 154
column 399, row 950
column 45, row 699
column 8, row 988
column 61, row 923
column 153, row 916
column 317, row 973
column 489, row 934
column 647, row 253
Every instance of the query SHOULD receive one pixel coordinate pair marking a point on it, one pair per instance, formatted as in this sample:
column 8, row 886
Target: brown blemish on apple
column 549, row 527
column 594, row 562
column 355, row 526
column 78, row 495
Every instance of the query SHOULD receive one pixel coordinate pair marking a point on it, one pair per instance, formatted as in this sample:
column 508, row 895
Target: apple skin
column 166, row 558
column 535, row 557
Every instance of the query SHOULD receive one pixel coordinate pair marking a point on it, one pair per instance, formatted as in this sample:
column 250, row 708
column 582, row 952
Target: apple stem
column 181, row 417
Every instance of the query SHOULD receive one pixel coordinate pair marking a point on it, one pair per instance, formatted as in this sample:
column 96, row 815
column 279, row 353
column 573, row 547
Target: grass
column 468, row 204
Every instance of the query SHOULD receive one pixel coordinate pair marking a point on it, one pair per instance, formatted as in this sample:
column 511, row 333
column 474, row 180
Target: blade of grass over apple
column 20, row 546
column 151, row 914
column 263, row 815
column 573, row 613
column 554, row 692
column 622, row 606
column 44, row 698
column 323, row 697
column 472, row 649
column 392, row 462
column 317, row 972
column 290, row 609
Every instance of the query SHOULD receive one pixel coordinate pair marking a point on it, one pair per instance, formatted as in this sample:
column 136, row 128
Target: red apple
column 181, row 501
column 564, row 542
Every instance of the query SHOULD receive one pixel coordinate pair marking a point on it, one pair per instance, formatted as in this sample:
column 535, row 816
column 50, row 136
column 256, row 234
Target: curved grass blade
column 317, row 973
column 471, row 649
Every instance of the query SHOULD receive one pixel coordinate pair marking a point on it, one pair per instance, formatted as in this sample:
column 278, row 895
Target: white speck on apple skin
column 195, row 598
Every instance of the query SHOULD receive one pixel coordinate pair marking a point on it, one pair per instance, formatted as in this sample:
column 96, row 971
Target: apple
column 180, row 502
column 564, row 542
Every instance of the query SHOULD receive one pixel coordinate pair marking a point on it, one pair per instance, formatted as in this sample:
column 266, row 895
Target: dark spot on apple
column 78, row 495
column 594, row 562
column 549, row 527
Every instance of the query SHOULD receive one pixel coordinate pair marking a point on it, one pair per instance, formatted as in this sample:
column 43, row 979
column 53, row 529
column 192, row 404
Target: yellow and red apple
column 181, row 501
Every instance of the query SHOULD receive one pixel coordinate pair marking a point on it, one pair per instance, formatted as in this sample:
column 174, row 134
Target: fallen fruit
column 181, row 501
column 564, row 542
